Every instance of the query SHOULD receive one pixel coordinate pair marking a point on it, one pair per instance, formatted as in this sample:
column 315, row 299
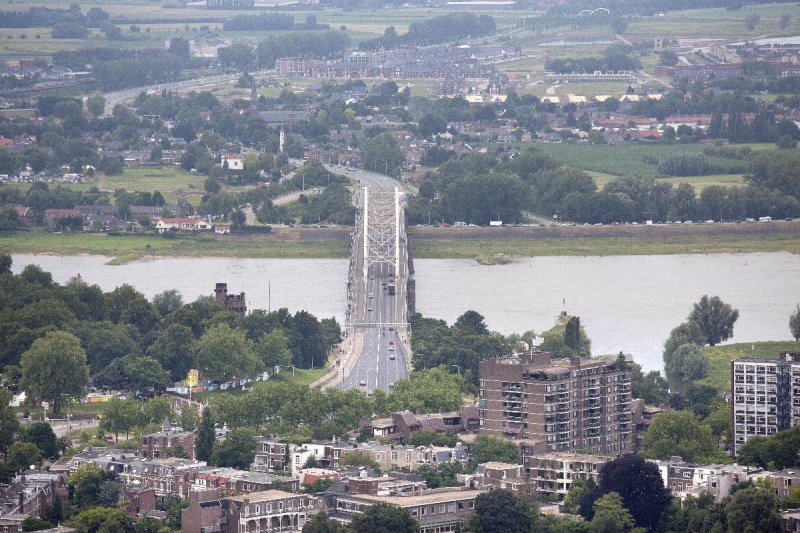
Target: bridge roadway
column 376, row 352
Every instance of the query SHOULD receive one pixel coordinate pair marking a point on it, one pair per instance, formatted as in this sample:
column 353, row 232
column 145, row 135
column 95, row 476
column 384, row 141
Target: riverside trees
column 58, row 337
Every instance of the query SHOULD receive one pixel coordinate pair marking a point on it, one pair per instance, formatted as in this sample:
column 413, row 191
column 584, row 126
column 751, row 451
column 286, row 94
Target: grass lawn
column 631, row 159
column 720, row 357
column 170, row 180
column 490, row 251
column 279, row 244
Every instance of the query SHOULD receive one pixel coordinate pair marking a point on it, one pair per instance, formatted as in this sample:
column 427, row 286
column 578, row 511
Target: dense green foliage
column 460, row 346
column 123, row 341
column 299, row 413
column 681, row 433
column 444, row 28
column 639, row 484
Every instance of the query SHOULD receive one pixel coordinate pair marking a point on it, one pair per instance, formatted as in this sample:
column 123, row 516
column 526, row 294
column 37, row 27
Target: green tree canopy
column 224, row 353
column 427, row 391
column 610, row 516
column 273, row 349
column 204, row 443
column 384, row 518
column 487, row 448
column 794, row 323
column 41, row 434
column 498, row 511
column 681, row 433
column 753, row 510
column 715, row 318
column 54, row 368
column 238, row 450
column 640, row 485
column 9, row 425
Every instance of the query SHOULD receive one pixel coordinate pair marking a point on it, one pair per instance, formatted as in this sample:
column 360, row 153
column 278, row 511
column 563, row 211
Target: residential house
column 29, row 494
column 272, row 510
column 159, row 444
column 232, row 161
column 271, row 454
column 554, row 473
column 52, row 216
column 497, row 475
column 183, row 224
column 438, row 511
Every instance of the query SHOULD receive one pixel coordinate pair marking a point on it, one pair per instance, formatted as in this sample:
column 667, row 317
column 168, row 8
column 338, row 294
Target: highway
column 377, row 318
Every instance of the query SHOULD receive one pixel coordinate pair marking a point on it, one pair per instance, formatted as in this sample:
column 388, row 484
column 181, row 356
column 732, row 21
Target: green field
column 715, row 23
column 171, row 181
column 492, row 251
column 281, row 243
column 720, row 357
column 631, row 159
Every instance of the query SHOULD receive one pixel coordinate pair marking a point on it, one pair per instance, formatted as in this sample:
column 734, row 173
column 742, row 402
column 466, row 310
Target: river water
column 626, row 303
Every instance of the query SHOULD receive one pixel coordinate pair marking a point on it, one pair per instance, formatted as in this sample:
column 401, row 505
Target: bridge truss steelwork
column 381, row 228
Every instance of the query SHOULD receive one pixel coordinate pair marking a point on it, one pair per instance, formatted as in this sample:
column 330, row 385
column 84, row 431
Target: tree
column 610, row 516
column 382, row 154
column 752, row 21
column 224, row 353
column 427, row 391
column 41, row 434
column 54, row 368
column 572, row 334
column 753, row 509
column 715, row 318
column 273, row 349
column 650, row 387
column 498, row 511
column 358, row 459
column 686, row 364
column 9, row 425
column 34, row 523
column 384, row 518
column 206, row 435
column 688, row 332
column 794, row 323
column 489, row 448
column 640, row 485
column 102, row 520
column 122, row 415
column 146, row 374
column 680, row 433
column 786, row 19
column 96, row 104
column 238, row 450
column 173, row 350
column 21, row 455
column 579, row 487
column 168, row 301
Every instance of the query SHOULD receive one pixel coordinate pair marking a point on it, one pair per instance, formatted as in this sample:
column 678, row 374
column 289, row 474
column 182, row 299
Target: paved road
column 380, row 354
column 365, row 177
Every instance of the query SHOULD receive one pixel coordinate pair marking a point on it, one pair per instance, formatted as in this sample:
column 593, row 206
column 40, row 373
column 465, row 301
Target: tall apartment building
column 557, row 405
column 766, row 396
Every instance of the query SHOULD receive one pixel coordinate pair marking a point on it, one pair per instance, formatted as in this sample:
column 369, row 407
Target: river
column 626, row 303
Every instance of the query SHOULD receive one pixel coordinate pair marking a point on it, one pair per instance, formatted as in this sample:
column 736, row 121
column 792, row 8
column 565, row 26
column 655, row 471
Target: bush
column 683, row 165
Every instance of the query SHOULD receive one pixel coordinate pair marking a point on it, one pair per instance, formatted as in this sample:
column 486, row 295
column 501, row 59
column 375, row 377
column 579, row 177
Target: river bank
column 485, row 245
